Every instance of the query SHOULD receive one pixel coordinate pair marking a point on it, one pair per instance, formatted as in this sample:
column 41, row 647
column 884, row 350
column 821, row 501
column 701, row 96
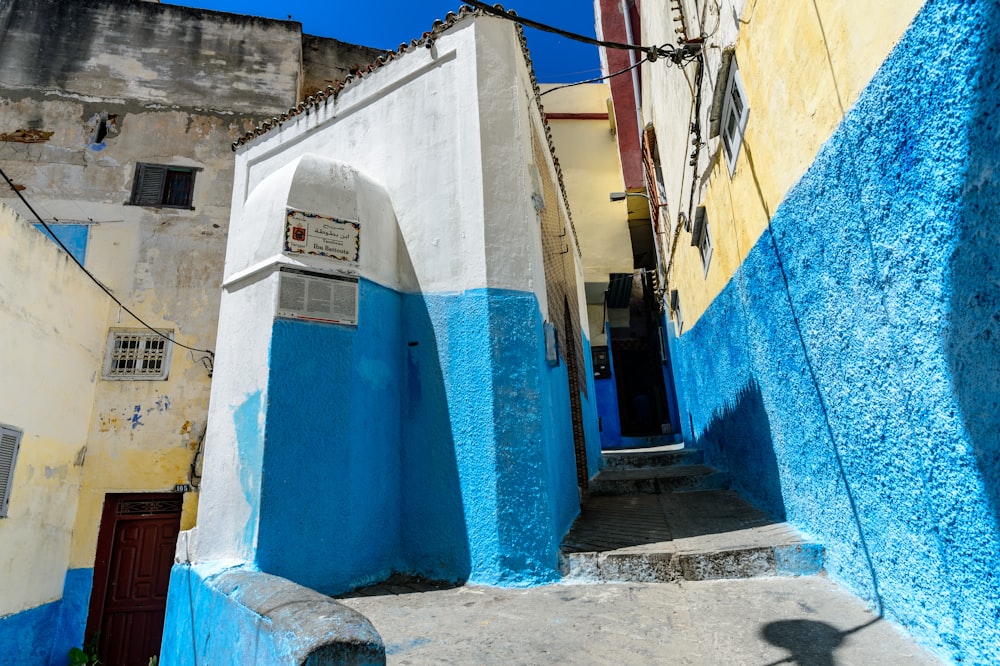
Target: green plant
column 87, row 656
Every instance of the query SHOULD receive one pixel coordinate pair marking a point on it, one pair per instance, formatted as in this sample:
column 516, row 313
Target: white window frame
column 10, row 444
column 705, row 248
column 701, row 238
column 675, row 307
column 734, row 120
column 145, row 338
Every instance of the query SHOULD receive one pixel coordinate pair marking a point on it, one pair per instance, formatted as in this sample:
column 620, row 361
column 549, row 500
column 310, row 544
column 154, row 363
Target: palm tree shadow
column 810, row 643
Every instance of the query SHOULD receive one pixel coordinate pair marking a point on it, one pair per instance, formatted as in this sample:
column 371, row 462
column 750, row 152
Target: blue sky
column 388, row 23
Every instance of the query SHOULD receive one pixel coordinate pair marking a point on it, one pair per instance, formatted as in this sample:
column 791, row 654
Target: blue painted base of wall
column 219, row 615
column 848, row 377
column 26, row 636
column 590, row 410
column 45, row 634
column 431, row 439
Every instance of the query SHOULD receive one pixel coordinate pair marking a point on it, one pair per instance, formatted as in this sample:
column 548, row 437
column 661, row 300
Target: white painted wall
column 52, row 323
column 420, row 127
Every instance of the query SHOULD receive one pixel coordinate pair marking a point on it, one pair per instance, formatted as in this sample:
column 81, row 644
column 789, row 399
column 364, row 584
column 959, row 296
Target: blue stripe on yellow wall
column 849, row 374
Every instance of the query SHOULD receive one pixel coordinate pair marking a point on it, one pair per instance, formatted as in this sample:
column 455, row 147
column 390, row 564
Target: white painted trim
column 735, row 82
column 264, row 268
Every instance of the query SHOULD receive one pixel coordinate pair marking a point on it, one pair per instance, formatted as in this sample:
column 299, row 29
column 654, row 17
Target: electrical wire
column 103, row 288
column 677, row 55
column 594, row 80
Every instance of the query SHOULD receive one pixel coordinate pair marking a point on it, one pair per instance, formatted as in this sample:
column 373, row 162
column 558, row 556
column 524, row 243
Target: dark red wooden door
column 135, row 553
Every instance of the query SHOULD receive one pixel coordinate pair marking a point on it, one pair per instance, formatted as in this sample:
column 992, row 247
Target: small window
column 675, row 307
column 164, row 186
column 137, row 353
column 735, row 112
column 701, row 238
column 10, row 442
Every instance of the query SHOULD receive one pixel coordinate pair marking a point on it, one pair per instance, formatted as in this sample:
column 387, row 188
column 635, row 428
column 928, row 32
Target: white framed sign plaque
column 322, row 236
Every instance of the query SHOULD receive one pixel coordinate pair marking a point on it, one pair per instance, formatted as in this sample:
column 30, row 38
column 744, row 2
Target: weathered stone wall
column 171, row 55
column 326, row 61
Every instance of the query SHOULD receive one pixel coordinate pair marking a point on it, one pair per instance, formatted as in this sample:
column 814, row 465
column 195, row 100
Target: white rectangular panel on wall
column 317, row 296
column 10, row 442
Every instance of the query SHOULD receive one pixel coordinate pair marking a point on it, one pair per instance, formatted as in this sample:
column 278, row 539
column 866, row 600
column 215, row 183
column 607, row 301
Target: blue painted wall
column 430, row 439
column 205, row 626
column 73, row 236
column 331, row 469
column 194, row 607
column 848, row 376
column 26, row 637
column 45, row 634
column 75, row 605
column 590, row 408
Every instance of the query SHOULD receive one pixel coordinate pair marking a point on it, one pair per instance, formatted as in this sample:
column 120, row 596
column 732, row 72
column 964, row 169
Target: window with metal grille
column 163, row 186
column 137, row 354
column 10, row 442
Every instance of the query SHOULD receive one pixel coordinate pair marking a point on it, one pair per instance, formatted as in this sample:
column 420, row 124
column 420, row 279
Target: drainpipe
column 627, row 16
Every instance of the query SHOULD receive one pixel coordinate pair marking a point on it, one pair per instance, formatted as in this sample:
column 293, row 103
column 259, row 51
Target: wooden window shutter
column 149, row 182
column 652, row 177
column 10, row 442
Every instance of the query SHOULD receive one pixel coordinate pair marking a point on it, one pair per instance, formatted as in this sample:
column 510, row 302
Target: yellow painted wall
column 52, row 321
column 803, row 64
column 588, row 155
column 165, row 263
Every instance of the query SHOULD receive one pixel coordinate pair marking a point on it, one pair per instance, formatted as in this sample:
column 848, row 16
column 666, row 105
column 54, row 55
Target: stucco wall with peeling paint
column 141, row 83
column 52, row 320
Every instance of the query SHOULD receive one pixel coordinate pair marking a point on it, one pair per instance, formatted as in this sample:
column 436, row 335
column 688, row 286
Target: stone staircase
column 660, row 514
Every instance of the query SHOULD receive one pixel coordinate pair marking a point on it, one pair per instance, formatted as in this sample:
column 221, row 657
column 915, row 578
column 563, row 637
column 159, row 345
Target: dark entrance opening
column 638, row 366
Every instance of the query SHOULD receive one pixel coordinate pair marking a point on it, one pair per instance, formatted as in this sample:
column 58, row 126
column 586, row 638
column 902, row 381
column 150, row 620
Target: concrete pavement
column 807, row 620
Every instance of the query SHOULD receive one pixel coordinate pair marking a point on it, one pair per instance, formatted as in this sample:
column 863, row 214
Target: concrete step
column 652, row 457
column 627, row 443
column 646, row 480
column 701, row 535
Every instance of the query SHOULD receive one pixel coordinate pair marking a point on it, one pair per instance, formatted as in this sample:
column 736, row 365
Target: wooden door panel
column 131, row 638
column 135, row 553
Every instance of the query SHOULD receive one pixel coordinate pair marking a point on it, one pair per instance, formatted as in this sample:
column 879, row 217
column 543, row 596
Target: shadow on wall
column 738, row 439
column 435, row 542
column 360, row 475
column 973, row 335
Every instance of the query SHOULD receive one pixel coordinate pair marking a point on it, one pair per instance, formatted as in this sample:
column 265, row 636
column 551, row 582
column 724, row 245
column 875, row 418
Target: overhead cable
column 91, row 275
column 594, row 80
column 677, row 55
